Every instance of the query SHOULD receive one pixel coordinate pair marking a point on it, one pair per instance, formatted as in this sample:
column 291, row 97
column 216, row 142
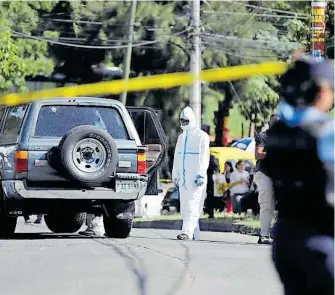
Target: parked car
column 68, row 157
column 246, row 144
column 232, row 154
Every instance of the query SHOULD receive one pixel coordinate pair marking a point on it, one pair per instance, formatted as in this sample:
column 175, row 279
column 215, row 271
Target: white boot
column 95, row 226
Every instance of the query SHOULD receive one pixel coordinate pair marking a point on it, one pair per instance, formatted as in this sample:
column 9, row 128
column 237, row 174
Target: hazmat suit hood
column 188, row 114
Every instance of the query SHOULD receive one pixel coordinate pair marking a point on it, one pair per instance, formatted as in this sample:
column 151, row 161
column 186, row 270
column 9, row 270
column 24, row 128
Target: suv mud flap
column 120, row 209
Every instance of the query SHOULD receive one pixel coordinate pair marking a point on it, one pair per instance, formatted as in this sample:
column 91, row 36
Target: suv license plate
column 127, row 186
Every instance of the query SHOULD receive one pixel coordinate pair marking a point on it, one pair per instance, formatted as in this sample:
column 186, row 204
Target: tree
column 259, row 99
column 21, row 57
column 105, row 24
column 234, row 33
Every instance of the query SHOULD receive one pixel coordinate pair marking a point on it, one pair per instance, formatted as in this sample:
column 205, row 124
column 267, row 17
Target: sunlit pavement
column 149, row 262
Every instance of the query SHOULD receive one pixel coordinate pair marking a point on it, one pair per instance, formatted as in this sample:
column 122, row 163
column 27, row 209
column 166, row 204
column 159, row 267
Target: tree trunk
column 251, row 129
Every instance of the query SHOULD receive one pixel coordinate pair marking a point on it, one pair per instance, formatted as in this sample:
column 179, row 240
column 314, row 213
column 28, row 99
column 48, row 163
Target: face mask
column 185, row 127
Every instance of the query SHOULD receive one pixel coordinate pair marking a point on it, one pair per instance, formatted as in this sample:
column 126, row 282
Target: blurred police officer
column 300, row 155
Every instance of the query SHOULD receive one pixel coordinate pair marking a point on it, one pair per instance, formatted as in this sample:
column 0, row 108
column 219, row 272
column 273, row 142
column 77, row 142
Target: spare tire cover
column 89, row 155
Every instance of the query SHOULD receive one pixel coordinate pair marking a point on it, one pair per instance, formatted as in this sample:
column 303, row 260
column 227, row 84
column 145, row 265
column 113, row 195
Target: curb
column 211, row 226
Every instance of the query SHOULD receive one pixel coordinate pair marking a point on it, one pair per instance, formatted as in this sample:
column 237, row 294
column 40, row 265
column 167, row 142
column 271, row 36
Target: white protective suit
column 191, row 160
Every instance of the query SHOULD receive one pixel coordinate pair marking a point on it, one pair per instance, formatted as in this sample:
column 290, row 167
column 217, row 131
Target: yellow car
column 232, row 154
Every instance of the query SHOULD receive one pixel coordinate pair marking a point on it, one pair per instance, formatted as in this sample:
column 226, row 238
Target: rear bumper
column 16, row 189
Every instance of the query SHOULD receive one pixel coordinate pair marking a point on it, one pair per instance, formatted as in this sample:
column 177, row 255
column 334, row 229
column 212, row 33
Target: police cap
column 301, row 83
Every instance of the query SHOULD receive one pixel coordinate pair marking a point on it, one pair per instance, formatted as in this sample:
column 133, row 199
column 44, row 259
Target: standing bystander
column 240, row 182
column 212, row 198
column 264, row 185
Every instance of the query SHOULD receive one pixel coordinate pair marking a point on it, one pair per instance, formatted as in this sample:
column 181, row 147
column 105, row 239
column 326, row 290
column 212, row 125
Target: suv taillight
column 141, row 163
column 21, row 161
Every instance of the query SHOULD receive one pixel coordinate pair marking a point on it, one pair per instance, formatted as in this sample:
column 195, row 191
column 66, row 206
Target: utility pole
column 127, row 57
column 195, row 66
column 318, row 28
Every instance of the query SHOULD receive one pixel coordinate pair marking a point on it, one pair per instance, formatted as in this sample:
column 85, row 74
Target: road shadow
column 49, row 236
column 179, row 284
column 133, row 261
column 201, row 241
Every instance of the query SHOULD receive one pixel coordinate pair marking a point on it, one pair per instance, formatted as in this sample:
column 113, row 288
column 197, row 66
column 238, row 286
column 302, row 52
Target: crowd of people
column 233, row 191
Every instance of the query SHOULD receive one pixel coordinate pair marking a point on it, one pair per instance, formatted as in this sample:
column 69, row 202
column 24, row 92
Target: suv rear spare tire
column 89, row 155
column 65, row 222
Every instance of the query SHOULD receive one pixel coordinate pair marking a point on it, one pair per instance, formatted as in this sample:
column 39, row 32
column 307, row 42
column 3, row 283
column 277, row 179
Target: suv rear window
column 56, row 120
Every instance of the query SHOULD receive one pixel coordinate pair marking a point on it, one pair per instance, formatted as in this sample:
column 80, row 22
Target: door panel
column 152, row 135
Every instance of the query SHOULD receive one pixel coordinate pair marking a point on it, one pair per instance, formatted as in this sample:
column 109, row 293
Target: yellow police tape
column 161, row 81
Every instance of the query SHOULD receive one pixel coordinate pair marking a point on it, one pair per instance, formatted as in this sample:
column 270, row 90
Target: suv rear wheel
column 65, row 222
column 119, row 222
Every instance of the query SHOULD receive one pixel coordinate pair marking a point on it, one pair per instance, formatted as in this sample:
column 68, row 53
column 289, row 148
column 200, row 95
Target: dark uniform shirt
column 213, row 168
column 261, row 140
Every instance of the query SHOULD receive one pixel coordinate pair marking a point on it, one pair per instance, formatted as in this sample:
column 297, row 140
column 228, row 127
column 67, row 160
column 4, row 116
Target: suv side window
column 14, row 120
column 2, row 113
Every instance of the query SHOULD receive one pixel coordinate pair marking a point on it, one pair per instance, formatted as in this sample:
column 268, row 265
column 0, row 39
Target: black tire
column 53, row 158
column 66, row 148
column 119, row 222
column 65, row 222
column 7, row 225
column 118, row 228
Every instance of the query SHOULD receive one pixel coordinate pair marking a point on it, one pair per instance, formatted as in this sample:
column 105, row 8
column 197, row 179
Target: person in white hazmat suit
column 189, row 173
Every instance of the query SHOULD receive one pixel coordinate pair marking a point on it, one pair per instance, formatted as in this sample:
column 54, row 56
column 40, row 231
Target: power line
column 239, row 23
column 253, row 57
column 95, row 46
column 127, row 57
column 244, row 56
column 154, row 28
column 256, row 15
column 273, row 9
column 249, row 28
column 69, row 39
column 238, row 97
column 236, row 38
column 215, row 16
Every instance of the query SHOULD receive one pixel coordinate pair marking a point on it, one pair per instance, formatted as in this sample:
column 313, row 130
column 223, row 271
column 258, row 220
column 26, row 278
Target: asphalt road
column 150, row 262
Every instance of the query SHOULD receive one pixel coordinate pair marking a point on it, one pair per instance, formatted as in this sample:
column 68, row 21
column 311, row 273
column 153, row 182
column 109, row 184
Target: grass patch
column 159, row 218
column 242, row 219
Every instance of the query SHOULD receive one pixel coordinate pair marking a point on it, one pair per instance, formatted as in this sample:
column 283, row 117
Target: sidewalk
column 243, row 225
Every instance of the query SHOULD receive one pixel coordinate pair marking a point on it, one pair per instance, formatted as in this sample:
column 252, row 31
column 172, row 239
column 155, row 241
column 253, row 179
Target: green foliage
column 12, row 67
column 258, row 99
column 21, row 57
column 228, row 39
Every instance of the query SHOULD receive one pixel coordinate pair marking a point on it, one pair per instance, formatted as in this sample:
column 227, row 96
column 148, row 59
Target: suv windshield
column 57, row 120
